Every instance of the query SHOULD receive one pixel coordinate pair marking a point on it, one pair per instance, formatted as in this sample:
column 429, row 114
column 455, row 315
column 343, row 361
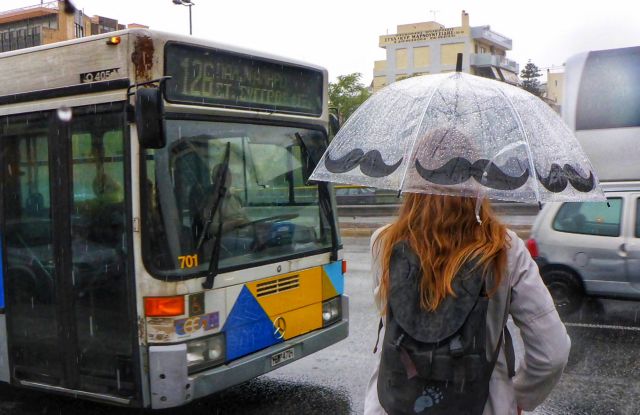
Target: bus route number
column 188, row 261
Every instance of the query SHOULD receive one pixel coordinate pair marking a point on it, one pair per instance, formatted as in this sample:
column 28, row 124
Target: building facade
column 430, row 47
column 555, row 87
column 48, row 23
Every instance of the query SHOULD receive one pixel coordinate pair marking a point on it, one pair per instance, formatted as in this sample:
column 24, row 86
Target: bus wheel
column 565, row 290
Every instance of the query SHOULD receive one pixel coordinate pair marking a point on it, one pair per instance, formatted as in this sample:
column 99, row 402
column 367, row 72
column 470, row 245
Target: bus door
column 68, row 292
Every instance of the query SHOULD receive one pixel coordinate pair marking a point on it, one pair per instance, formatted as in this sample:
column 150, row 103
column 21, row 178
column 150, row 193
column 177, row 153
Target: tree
column 530, row 75
column 346, row 94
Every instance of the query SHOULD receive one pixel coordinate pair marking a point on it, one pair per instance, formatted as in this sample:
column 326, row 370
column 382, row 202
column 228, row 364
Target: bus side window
column 98, row 185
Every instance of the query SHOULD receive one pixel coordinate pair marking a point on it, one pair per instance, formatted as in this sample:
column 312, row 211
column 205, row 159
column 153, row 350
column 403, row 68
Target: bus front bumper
column 174, row 389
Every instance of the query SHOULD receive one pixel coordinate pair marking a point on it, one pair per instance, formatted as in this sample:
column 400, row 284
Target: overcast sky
column 342, row 35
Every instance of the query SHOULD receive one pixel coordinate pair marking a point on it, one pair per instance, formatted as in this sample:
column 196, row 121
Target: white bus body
column 103, row 260
column 601, row 104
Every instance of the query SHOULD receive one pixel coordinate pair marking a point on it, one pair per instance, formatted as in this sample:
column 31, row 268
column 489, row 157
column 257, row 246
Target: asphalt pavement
column 602, row 376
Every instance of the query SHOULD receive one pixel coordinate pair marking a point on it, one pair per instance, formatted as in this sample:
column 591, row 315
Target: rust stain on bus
column 142, row 330
column 142, row 57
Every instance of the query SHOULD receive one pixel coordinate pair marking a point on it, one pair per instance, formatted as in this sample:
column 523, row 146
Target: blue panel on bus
column 1, row 279
column 248, row 328
column 334, row 272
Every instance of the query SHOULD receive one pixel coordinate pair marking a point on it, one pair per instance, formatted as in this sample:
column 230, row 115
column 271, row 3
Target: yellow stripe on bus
column 296, row 296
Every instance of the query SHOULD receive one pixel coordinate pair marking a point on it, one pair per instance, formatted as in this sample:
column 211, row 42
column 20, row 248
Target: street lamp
column 186, row 3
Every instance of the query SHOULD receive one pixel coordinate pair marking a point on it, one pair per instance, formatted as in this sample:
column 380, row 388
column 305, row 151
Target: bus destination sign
column 212, row 77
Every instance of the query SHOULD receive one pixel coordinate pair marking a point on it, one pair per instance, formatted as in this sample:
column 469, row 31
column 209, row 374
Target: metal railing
column 53, row 5
column 486, row 59
column 484, row 32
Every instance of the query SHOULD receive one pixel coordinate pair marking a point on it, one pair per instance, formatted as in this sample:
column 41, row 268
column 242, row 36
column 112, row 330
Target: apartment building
column 47, row 22
column 430, row 47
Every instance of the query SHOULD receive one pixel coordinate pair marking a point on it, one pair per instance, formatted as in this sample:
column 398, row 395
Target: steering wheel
column 275, row 218
column 259, row 242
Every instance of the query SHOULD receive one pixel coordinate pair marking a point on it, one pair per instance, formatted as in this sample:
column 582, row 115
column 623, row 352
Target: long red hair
column 444, row 233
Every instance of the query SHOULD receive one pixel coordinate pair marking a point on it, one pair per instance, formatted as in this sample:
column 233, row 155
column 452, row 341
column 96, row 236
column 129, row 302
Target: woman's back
column 546, row 344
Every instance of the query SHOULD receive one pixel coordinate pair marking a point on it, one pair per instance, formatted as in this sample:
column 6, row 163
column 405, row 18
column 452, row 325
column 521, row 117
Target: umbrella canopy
column 460, row 134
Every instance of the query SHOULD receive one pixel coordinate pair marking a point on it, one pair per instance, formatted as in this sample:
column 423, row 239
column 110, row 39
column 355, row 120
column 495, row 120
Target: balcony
column 485, row 33
column 486, row 59
column 29, row 12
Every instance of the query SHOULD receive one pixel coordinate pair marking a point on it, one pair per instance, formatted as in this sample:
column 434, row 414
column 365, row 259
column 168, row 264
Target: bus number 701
column 188, row 261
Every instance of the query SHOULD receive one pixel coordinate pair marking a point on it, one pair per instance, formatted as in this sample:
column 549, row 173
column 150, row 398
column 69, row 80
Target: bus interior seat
column 34, row 205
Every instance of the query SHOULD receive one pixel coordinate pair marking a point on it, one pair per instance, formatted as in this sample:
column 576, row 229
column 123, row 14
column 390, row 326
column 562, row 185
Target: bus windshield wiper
column 219, row 192
column 324, row 196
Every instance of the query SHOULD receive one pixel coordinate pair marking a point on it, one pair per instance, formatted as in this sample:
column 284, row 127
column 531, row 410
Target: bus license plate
column 282, row 357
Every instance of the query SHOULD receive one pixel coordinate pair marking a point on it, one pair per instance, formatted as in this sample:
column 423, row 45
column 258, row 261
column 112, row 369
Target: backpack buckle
column 456, row 349
column 396, row 344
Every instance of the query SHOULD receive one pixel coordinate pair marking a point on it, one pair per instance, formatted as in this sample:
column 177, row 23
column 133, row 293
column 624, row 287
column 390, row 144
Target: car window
column 590, row 218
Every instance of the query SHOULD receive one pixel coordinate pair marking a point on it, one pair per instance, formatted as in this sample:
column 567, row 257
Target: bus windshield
column 268, row 211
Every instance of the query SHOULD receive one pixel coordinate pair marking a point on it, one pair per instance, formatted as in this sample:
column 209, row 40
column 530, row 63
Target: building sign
column 421, row 36
column 206, row 76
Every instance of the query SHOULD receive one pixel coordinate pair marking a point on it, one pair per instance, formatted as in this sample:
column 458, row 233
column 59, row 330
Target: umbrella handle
column 478, row 206
column 479, row 198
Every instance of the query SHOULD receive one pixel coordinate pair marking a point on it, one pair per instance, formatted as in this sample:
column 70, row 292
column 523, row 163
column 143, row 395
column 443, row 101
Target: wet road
column 602, row 377
column 603, row 373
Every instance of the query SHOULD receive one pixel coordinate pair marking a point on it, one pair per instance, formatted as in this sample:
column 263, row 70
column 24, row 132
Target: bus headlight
column 205, row 352
column 331, row 311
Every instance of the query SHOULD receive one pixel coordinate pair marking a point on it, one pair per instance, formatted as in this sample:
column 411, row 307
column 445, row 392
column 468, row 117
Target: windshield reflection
column 267, row 210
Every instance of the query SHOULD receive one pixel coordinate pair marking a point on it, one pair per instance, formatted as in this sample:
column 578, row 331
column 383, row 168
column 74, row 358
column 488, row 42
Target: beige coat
column 546, row 343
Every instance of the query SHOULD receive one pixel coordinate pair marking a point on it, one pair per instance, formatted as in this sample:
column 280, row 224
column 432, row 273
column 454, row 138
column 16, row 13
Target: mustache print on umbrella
column 458, row 170
column 371, row 163
column 559, row 177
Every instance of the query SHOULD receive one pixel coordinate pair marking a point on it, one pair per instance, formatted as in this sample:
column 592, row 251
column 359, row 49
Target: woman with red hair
column 444, row 235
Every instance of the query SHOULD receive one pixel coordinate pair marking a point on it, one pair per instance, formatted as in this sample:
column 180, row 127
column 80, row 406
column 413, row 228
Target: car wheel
column 565, row 289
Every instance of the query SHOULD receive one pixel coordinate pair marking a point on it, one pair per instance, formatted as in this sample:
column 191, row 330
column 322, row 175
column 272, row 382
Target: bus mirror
column 334, row 123
column 149, row 118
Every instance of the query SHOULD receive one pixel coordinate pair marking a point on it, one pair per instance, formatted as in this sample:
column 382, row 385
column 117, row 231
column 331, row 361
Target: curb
column 520, row 230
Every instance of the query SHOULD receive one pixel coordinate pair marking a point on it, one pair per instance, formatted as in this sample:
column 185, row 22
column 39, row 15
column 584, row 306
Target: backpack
column 436, row 362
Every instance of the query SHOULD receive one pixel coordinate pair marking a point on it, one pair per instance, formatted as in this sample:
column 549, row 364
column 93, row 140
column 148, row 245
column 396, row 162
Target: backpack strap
column 505, row 335
column 375, row 348
column 509, row 353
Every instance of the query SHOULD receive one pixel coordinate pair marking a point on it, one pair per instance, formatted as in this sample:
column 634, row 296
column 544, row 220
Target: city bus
column 601, row 104
column 160, row 238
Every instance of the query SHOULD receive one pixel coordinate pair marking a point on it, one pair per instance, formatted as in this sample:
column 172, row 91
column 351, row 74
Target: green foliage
column 347, row 94
column 403, row 77
column 530, row 74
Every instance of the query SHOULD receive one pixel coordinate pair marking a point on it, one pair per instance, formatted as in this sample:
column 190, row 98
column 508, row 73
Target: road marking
column 602, row 326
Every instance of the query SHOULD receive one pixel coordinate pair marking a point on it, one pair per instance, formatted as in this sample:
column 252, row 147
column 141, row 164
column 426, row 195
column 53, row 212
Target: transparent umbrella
column 460, row 134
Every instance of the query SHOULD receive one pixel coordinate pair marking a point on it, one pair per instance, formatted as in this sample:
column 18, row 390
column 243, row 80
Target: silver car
column 590, row 248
